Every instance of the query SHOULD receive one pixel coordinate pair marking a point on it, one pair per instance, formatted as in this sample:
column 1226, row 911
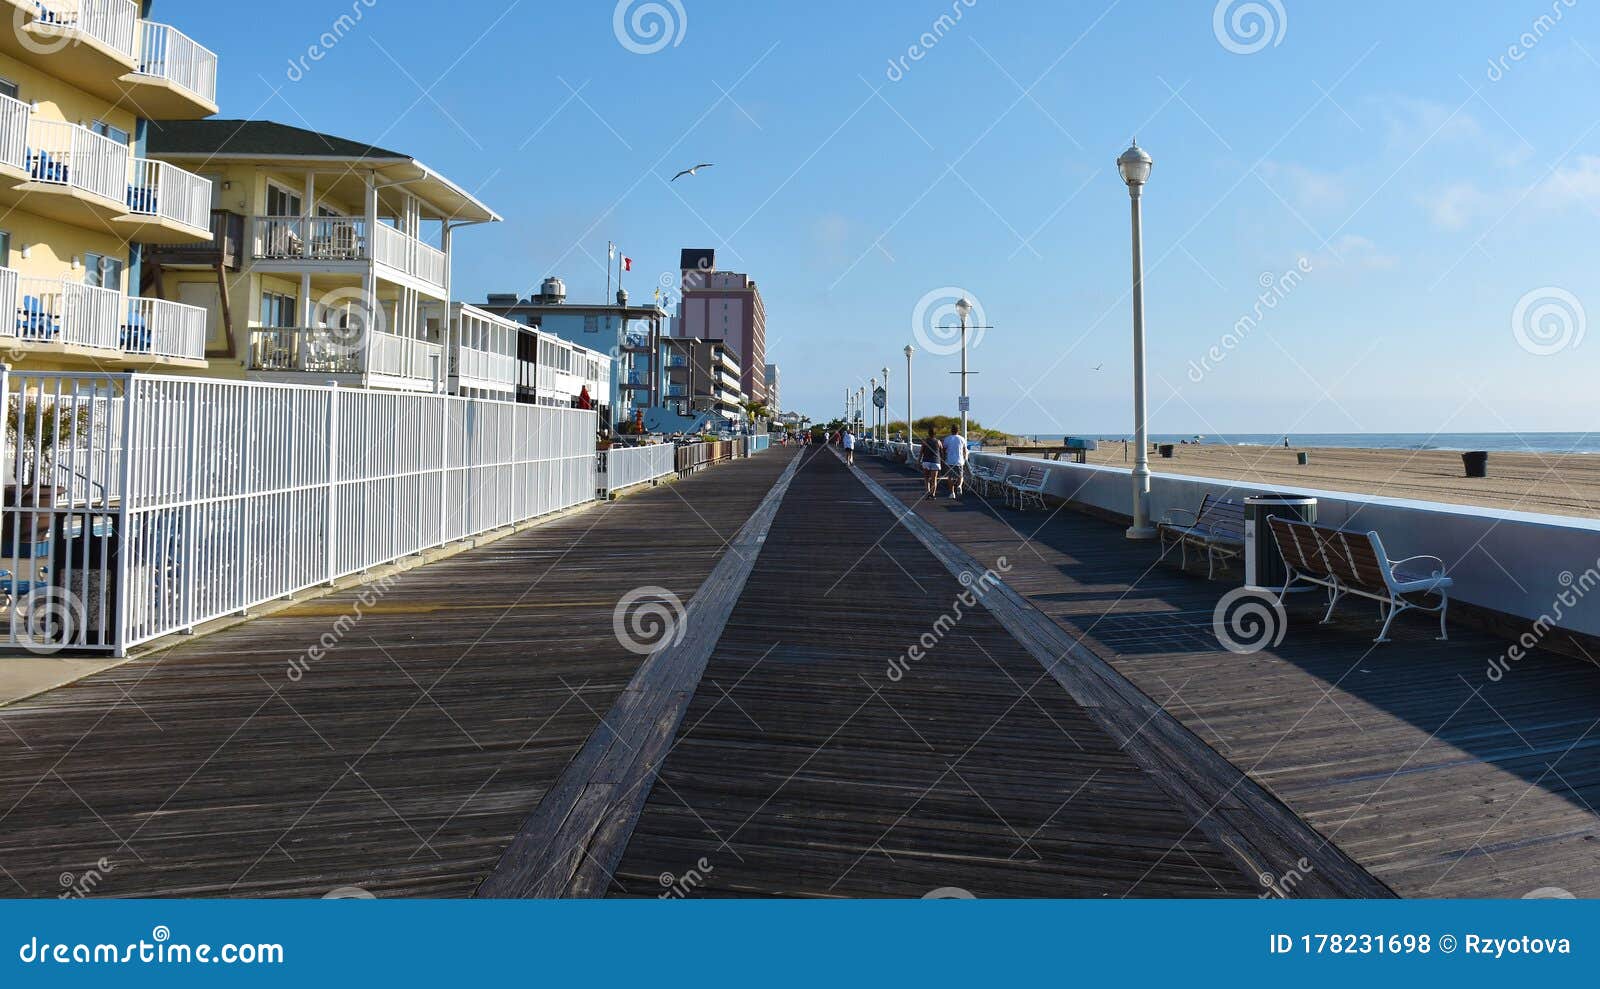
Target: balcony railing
column 61, row 153
column 327, row 350
column 14, row 116
column 164, row 329
column 113, row 23
column 51, row 310
column 167, row 191
column 297, row 348
column 410, row 255
column 486, row 366
column 225, row 245
column 167, row 53
column 318, row 238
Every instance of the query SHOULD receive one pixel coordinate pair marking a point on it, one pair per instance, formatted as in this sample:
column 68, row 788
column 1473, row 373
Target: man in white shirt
column 849, row 443
column 955, row 461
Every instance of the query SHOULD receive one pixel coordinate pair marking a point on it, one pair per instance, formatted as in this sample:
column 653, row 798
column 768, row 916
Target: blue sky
column 1426, row 201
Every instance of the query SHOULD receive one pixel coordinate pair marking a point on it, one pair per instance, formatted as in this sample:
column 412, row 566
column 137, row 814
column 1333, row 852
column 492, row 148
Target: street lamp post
column 872, row 423
column 1134, row 165
column 911, row 431
column 883, row 413
column 963, row 309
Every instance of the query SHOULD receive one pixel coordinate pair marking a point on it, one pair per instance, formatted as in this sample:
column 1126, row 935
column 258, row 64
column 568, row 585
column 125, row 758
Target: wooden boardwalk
column 478, row 726
column 1406, row 756
column 400, row 763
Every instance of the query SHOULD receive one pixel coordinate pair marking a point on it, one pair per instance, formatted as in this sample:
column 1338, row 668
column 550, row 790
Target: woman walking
column 929, row 457
column 848, row 441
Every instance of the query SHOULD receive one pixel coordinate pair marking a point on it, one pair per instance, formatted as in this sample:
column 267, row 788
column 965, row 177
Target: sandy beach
column 1560, row 484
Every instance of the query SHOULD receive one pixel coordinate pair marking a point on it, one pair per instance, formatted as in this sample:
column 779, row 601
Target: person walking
column 955, row 462
column 929, row 456
column 848, row 441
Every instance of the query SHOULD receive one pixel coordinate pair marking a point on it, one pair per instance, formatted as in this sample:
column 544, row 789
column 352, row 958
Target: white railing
column 165, row 329
column 14, row 115
column 159, row 189
column 410, row 255
column 113, row 23
column 167, row 53
column 191, row 499
column 300, row 348
column 62, row 153
column 9, row 315
column 404, row 357
column 52, row 310
column 321, row 238
column 624, row 467
column 486, row 369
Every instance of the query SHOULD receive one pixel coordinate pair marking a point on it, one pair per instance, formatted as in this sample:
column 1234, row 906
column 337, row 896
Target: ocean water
column 1522, row 442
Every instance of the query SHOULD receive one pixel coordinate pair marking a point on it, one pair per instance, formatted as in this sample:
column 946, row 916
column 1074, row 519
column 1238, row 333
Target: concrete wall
column 1512, row 562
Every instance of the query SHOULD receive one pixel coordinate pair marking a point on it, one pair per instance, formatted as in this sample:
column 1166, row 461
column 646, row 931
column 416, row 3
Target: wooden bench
column 1217, row 528
column 1356, row 563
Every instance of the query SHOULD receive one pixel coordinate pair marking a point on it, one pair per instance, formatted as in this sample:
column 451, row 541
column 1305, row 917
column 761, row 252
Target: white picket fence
column 165, row 502
column 625, row 466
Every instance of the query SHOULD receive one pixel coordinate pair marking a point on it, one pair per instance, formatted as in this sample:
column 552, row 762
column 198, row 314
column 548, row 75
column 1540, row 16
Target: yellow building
column 80, row 202
column 331, row 260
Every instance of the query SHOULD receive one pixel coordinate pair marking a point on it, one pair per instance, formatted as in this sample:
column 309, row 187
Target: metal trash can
column 1476, row 463
column 1263, row 564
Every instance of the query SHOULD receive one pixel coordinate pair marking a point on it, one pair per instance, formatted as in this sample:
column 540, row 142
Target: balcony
column 83, row 177
column 14, row 116
column 335, row 239
column 166, row 205
column 174, row 78
column 395, row 362
column 485, row 369
column 87, row 43
column 225, row 247
column 160, row 329
column 634, row 340
column 99, row 322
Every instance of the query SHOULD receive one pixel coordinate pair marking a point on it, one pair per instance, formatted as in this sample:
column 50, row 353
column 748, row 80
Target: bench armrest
column 1393, row 564
column 1169, row 517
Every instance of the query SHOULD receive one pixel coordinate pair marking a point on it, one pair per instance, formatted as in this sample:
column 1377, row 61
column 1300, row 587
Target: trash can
column 1476, row 462
column 1165, row 450
column 1302, row 458
column 1263, row 564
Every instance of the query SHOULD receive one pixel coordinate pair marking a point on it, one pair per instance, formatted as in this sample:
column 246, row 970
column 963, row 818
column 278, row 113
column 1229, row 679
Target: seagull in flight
column 1099, row 366
column 691, row 171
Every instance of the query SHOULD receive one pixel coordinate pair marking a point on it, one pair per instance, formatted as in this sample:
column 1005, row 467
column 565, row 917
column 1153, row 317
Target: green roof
column 255, row 137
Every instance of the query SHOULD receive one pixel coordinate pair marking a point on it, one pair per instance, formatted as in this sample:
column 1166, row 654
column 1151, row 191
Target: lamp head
column 1134, row 165
column 909, row 351
column 963, row 307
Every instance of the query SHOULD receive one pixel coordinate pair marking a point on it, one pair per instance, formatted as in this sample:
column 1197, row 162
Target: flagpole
column 611, row 253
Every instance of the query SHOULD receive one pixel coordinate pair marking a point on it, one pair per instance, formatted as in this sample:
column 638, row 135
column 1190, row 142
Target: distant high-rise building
column 772, row 390
column 725, row 305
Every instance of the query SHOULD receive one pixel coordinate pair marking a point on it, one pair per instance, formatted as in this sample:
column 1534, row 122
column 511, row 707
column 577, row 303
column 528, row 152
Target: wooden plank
column 570, row 847
column 1265, row 837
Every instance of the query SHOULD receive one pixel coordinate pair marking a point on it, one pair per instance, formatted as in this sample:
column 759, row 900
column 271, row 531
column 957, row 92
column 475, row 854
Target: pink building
column 726, row 306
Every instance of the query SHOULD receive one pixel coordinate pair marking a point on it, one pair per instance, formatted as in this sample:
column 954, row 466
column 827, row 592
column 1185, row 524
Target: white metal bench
column 985, row 478
column 1027, row 488
column 1355, row 563
column 1217, row 528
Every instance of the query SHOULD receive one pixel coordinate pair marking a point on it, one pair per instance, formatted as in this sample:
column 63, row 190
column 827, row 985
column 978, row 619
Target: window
column 9, row 88
column 591, row 324
column 102, row 271
column 107, row 130
column 278, row 309
column 282, row 202
column 5, row 248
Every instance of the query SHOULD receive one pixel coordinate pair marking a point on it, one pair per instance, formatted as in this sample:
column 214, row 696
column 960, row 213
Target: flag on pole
column 611, row 251
column 627, row 263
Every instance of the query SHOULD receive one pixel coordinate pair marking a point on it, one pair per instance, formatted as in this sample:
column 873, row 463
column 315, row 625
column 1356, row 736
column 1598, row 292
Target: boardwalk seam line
column 1265, row 837
column 573, row 840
